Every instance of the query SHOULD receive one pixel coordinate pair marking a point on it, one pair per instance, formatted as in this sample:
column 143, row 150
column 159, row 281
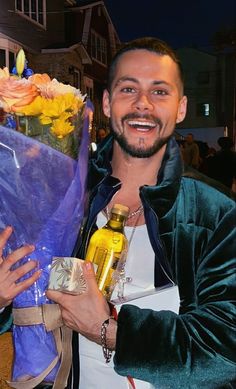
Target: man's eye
column 128, row 90
column 160, row 92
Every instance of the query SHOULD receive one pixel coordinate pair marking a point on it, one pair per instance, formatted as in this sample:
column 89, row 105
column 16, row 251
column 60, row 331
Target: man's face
column 145, row 102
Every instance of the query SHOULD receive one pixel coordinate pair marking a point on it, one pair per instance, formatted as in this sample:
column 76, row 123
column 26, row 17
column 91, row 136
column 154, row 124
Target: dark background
column 179, row 22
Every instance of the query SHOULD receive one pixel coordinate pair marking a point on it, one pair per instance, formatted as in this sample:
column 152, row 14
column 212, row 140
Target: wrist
column 108, row 337
column 111, row 334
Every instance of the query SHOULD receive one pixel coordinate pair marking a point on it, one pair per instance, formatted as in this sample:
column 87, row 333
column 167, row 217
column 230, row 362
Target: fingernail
column 88, row 266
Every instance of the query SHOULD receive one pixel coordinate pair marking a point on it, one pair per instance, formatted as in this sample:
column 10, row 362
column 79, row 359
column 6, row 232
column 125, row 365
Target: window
column 203, row 109
column 2, row 58
column 8, row 51
column 88, row 84
column 7, row 58
column 11, row 60
column 77, row 78
column 98, row 48
column 33, row 9
column 203, row 77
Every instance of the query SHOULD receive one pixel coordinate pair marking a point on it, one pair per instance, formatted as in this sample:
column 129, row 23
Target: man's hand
column 10, row 286
column 86, row 312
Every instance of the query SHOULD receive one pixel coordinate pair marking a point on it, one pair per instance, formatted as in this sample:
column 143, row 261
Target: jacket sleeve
column 197, row 348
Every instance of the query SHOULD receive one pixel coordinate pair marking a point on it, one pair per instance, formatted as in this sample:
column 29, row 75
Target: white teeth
column 135, row 123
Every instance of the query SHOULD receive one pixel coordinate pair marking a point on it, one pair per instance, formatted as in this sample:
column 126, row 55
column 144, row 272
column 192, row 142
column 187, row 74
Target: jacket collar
column 161, row 196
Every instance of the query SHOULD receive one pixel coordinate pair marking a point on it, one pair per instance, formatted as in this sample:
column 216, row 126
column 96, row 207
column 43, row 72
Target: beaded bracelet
column 106, row 351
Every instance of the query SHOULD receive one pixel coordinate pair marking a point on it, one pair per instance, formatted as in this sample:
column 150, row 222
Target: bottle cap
column 120, row 209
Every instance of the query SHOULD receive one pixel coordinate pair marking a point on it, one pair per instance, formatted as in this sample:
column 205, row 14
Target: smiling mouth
column 140, row 125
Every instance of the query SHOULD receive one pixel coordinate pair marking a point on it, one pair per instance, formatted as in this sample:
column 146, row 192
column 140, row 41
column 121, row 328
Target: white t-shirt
column 139, row 268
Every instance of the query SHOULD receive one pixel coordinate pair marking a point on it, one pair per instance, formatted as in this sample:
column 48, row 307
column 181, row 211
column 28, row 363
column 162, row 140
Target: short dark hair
column 147, row 43
column 225, row 142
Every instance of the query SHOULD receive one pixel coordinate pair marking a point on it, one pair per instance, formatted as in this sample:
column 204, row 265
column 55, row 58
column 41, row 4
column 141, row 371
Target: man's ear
column 182, row 109
column 106, row 103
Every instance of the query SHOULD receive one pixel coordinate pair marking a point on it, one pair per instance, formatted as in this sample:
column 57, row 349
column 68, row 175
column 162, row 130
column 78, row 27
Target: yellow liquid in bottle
column 107, row 250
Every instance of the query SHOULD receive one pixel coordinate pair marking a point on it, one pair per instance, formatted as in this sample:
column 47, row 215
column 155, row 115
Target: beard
column 140, row 151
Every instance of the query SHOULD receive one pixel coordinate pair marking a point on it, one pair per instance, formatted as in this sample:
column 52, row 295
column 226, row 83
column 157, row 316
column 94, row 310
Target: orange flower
column 39, row 79
column 15, row 93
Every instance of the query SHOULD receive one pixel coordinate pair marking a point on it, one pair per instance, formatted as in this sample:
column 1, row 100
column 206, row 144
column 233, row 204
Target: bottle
column 107, row 250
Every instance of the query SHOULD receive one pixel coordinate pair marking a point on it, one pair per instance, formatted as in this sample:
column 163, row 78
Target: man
column 189, row 224
column 187, row 240
column 191, row 152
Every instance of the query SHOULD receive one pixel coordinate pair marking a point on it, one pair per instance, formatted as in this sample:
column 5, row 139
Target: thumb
column 89, row 275
column 54, row 296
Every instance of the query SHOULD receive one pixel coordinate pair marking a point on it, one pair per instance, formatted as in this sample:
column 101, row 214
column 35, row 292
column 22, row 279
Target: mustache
column 137, row 116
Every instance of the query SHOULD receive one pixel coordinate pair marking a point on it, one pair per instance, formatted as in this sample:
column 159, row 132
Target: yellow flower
column 54, row 108
column 61, row 127
column 20, row 62
column 33, row 109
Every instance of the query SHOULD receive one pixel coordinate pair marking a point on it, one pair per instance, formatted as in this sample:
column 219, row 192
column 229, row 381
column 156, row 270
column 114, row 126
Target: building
column 210, row 87
column 70, row 40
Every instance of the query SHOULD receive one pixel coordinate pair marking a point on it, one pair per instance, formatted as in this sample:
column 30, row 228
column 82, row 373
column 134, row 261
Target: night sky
column 179, row 22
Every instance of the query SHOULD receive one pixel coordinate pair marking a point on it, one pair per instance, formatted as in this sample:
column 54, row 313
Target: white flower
column 55, row 88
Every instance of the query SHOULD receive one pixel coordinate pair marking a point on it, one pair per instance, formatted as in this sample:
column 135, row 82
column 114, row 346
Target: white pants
column 95, row 373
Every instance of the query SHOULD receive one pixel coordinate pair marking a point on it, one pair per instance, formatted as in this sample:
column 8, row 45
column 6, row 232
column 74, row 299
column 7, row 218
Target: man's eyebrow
column 135, row 80
column 126, row 78
column 161, row 82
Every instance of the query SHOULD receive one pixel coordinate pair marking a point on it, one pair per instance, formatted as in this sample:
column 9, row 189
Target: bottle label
column 110, row 267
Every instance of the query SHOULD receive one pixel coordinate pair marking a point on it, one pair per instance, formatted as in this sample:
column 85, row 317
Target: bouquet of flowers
column 41, row 108
column 42, row 192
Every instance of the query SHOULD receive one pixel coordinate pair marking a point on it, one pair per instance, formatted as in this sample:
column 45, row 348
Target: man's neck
column 135, row 172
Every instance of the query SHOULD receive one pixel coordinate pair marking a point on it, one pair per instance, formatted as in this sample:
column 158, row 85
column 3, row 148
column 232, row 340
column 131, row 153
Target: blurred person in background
column 222, row 166
column 191, row 152
column 101, row 134
column 206, row 160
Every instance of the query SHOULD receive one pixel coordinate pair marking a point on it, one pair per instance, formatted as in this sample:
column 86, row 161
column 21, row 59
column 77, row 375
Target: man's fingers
column 89, row 275
column 16, row 255
column 4, row 236
column 12, row 290
column 54, row 296
column 22, row 270
column 23, row 285
column 88, row 269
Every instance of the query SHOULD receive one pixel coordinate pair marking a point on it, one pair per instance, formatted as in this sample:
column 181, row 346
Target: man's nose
column 143, row 102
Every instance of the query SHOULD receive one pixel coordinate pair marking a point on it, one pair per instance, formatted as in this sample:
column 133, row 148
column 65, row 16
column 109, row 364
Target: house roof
column 80, row 3
column 62, row 48
column 86, row 4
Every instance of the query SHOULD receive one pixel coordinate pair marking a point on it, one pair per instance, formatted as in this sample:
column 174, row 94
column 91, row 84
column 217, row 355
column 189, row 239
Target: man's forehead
column 143, row 64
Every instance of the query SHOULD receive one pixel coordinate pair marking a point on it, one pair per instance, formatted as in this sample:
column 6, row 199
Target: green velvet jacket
column 191, row 228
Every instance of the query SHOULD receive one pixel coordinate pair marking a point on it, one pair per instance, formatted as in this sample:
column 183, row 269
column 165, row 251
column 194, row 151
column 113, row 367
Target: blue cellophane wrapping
column 42, row 194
